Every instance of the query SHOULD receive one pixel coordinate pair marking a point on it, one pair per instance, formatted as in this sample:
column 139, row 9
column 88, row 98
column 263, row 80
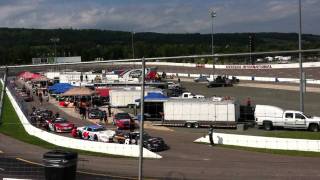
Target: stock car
column 96, row 133
column 123, row 121
column 154, row 144
column 59, row 125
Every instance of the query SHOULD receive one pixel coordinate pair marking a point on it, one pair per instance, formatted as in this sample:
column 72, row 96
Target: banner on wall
column 265, row 66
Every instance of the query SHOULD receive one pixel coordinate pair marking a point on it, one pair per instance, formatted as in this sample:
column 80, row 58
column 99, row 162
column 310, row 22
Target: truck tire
column 267, row 126
column 314, row 127
column 188, row 125
column 196, row 125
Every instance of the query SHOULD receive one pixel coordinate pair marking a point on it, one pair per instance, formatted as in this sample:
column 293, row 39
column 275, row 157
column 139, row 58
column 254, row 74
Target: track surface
column 186, row 160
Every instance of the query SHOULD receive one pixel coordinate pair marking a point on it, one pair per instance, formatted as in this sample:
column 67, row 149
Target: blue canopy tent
column 153, row 106
column 60, row 88
column 154, row 97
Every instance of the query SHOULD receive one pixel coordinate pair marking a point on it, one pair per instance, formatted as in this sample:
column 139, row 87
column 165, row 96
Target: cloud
column 168, row 16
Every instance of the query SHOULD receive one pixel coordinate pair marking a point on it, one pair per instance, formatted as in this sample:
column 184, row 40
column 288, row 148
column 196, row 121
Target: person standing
column 105, row 117
column 40, row 99
column 109, row 110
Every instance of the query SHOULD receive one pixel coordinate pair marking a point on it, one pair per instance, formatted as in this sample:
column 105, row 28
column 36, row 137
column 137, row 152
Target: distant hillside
column 20, row 45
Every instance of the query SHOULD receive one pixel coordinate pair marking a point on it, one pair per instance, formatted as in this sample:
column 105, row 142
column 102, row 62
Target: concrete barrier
column 263, row 142
column 100, row 147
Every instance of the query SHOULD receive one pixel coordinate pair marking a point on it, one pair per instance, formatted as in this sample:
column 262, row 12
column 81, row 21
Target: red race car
column 59, row 125
column 123, row 121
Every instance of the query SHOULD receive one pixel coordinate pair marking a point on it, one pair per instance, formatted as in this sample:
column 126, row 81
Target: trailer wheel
column 314, row 127
column 196, row 125
column 267, row 126
column 188, row 125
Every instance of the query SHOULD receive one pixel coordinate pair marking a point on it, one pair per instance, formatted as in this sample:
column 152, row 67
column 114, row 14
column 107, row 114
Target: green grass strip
column 11, row 126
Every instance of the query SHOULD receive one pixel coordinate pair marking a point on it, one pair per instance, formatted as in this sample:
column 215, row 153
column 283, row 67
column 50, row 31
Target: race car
column 59, row 125
column 151, row 143
column 96, row 133
column 123, row 121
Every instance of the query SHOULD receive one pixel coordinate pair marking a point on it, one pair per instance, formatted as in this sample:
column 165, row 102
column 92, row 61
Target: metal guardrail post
column 141, row 121
column 3, row 92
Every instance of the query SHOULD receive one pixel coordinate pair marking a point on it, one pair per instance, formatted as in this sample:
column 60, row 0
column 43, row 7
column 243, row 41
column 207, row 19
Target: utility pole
column 3, row 92
column 213, row 14
column 132, row 45
column 302, row 76
column 141, row 121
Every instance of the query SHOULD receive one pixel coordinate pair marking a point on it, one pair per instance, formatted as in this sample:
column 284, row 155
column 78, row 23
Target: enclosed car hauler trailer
column 201, row 112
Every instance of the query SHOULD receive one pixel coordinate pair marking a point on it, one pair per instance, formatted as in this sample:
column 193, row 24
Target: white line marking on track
column 1, row 169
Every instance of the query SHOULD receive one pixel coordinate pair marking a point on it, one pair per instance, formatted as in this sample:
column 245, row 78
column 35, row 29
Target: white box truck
column 200, row 112
column 269, row 117
column 122, row 97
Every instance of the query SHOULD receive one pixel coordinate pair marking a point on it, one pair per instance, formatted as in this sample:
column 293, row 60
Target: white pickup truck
column 269, row 117
column 188, row 95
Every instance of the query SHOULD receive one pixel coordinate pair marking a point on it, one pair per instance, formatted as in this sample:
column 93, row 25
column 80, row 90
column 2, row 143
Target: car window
column 299, row 116
column 89, row 129
column 123, row 116
column 289, row 115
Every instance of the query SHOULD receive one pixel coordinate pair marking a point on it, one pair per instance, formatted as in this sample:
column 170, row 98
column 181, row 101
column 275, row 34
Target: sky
column 164, row 16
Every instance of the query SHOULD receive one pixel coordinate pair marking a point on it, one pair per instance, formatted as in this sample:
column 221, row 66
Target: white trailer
column 201, row 112
column 122, row 97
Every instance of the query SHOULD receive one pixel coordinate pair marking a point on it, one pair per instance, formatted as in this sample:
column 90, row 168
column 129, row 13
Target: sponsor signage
column 266, row 66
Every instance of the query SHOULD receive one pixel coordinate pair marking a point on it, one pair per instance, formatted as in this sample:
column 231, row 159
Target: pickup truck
column 269, row 117
column 188, row 95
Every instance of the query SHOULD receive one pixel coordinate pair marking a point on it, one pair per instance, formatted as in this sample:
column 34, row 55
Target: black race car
column 154, row 144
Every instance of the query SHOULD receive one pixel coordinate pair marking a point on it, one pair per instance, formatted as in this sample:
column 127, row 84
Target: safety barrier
column 263, row 142
column 100, row 147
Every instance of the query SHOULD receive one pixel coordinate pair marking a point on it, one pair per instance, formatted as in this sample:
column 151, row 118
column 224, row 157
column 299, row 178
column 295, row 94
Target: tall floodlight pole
column 213, row 14
column 141, row 121
column 302, row 82
column 132, row 45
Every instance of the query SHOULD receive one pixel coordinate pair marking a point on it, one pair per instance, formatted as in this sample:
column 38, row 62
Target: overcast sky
column 165, row 16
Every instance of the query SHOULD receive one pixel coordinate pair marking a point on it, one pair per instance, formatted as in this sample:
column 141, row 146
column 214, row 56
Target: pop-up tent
column 28, row 75
column 154, row 97
column 153, row 105
column 60, row 88
column 79, row 91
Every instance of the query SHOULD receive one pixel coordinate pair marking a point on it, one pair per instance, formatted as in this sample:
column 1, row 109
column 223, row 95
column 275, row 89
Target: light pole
column 132, row 46
column 141, row 121
column 302, row 77
column 213, row 14
column 55, row 41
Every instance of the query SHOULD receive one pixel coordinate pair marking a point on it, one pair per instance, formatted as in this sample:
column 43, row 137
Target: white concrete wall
column 100, row 147
column 263, row 142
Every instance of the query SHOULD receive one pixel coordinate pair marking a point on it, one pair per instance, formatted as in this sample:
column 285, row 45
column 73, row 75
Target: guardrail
column 263, row 142
column 100, row 147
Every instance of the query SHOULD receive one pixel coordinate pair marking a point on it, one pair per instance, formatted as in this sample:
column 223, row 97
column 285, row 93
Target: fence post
column 141, row 121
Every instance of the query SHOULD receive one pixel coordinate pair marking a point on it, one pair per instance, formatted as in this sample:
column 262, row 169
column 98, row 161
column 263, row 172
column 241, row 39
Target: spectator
column 105, row 117
column 33, row 109
column 109, row 110
column 40, row 99
column 248, row 102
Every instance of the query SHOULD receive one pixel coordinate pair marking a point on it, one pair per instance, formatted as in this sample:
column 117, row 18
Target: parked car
column 201, row 79
column 123, row 121
column 59, row 125
column 28, row 98
column 95, row 113
column 220, row 82
column 154, row 144
column 270, row 117
column 96, row 133
column 188, row 95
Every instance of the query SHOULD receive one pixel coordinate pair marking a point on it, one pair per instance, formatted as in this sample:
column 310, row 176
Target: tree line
column 19, row 46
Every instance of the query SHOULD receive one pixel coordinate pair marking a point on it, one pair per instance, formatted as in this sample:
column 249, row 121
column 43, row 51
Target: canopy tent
column 79, row 91
column 103, row 92
column 40, row 78
column 154, row 97
column 60, row 88
column 29, row 75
